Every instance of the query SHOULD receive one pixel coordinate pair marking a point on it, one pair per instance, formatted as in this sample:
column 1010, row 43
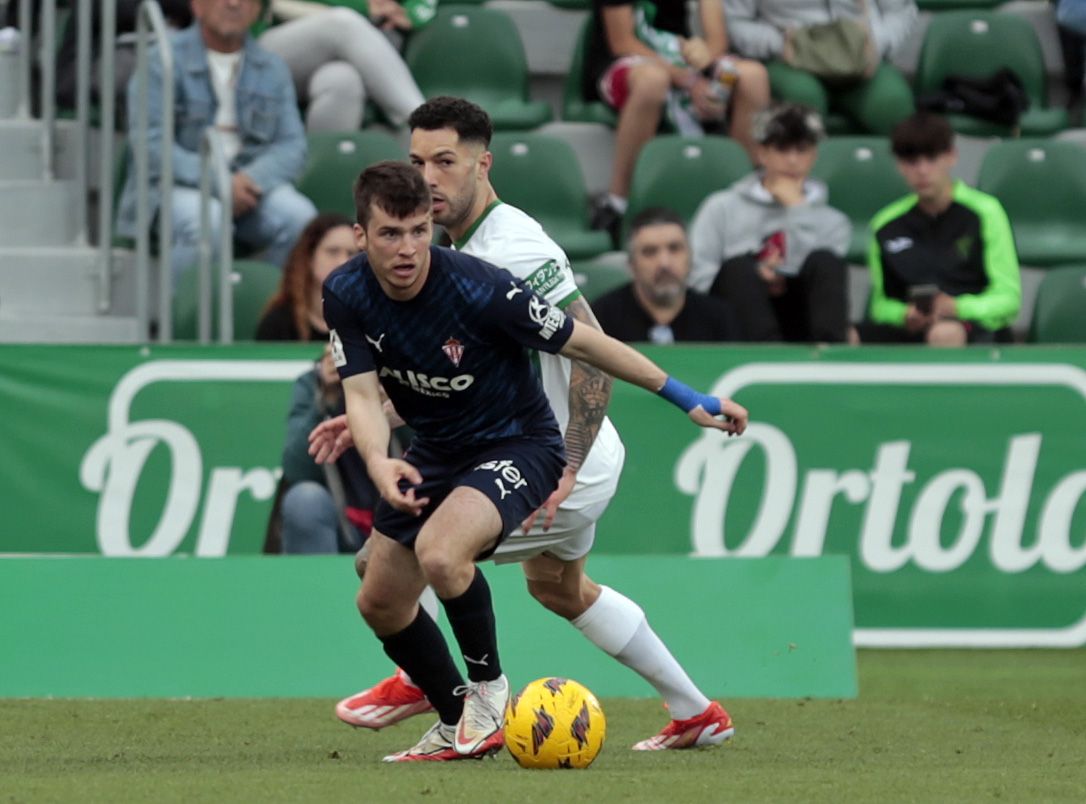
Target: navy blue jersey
column 454, row 359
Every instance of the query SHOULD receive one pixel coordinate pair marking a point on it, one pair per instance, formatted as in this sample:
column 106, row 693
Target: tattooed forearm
column 589, row 395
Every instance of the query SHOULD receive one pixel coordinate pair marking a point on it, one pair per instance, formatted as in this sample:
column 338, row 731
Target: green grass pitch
column 928, row 726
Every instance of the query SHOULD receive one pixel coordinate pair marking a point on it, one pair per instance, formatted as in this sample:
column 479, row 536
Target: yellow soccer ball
column 554, row 723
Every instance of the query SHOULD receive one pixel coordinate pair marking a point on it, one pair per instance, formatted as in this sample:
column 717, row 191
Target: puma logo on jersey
column 513, row 291
column 896, row 245
column 376, row 343
column 339, row 357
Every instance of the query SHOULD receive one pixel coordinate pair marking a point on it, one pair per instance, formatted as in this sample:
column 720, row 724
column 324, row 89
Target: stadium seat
column 862, row 179
column 575, row 108
column 976, row 44
column 475, row 52
column 255, row 283
column 1059, row 313
column 335, row 159
column 1042, row 185
column 596, row 277
column 679, row 172
column 541, row 175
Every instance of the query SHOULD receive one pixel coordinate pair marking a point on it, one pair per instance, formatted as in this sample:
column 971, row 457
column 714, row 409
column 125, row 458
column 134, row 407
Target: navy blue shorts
column 516, row 474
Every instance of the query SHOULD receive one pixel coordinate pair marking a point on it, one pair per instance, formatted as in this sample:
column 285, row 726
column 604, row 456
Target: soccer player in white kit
column 449, row 141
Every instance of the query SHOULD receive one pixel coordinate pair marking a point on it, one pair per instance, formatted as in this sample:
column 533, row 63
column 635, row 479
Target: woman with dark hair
column 294, row 312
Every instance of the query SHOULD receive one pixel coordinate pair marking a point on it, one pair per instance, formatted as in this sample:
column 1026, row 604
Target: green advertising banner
column 955, row 480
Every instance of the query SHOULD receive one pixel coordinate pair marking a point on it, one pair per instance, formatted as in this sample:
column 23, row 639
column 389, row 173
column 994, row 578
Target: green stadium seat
column 597, row 277
column 862, row 178
column 1042, row 185
column 976, row 44
column 475, row 52
column 255, row 283
column 575, row 108
column 335, row 159
column 540, row 174
column 1059, row 313
column 679, row 172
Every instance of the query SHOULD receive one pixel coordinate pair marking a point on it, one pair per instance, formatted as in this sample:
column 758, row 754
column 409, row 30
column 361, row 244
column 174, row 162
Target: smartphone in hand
column 923, row 297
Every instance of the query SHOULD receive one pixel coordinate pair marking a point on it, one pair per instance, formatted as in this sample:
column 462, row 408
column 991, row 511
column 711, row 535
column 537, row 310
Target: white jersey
column 511, row 239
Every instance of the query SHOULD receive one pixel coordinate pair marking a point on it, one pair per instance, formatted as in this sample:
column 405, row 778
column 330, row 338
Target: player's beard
column 456, row 211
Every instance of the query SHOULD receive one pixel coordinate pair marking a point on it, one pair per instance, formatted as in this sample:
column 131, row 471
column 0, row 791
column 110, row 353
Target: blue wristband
column 687, row 398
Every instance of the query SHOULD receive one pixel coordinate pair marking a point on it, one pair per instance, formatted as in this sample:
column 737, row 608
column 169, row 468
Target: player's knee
column 649, row 83
column 378, row 612
column 442, row 570
column 947, row 333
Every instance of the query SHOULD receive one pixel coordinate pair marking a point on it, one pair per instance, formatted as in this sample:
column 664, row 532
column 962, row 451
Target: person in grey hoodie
column 876, row 102
column 771, row 245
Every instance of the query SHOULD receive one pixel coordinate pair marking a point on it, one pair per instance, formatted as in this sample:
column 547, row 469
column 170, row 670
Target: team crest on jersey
column 339, row 357
column 454, row 350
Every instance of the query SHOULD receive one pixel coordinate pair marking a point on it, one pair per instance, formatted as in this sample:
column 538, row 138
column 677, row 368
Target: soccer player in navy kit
column 447, row 335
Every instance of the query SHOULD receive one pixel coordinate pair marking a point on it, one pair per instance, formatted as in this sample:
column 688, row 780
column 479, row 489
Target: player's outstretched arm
column 589, row 395
column 625, row 363
column 371, row 433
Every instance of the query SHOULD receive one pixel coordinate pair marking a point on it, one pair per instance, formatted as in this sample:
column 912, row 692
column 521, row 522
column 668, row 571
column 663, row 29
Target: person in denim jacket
column 222, row 78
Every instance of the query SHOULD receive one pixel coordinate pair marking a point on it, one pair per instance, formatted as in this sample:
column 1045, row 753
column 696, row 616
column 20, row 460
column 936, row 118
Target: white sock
column 617, row 626
column 429, row 603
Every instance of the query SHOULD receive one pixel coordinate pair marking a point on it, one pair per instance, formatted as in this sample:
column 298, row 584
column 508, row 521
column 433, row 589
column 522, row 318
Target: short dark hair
column 468, row 120
column 922, row 134
column 788, row 125
column 396, row 187
column 655, row 216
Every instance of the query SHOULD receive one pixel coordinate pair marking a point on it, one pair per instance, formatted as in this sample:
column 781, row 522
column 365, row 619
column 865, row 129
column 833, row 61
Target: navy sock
column 471, row 616
column 421, row 651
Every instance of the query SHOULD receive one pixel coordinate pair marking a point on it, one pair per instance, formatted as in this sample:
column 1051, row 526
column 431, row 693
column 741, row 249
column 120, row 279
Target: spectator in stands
column 295, row 312
column 339, row 59
column 830, row 55
column 643, row 62
column 771, row 245
column 1071, row 26
column 944, row 269
column 223, row 78
column 657, row 306
column 328, row 508
column 177, row 14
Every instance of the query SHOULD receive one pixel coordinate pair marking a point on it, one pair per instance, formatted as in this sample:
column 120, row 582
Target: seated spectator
column 177, row 14
column 771, row 245
column 223, row 78
column 295, row 312
column 944, row 269
column 657, row 306
column 339, row 59
column 806, row 66
column 321, row 509
column 644, row 63
column 1071, row 27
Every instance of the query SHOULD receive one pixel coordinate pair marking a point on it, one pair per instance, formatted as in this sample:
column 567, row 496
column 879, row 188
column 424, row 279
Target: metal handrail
column 150, row 14
column 82, row 115
column 108, row 34
column 26, row 31
column 213, row 161
column 48, row 40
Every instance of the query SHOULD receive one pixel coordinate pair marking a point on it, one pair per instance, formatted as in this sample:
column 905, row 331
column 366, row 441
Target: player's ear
column 359, row 237
column 486, row 159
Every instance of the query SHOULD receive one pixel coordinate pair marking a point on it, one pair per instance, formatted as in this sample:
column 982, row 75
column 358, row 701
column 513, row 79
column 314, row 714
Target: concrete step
column 21, row 152
column 38, row 213
column 48, row 281
column 70, row 329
